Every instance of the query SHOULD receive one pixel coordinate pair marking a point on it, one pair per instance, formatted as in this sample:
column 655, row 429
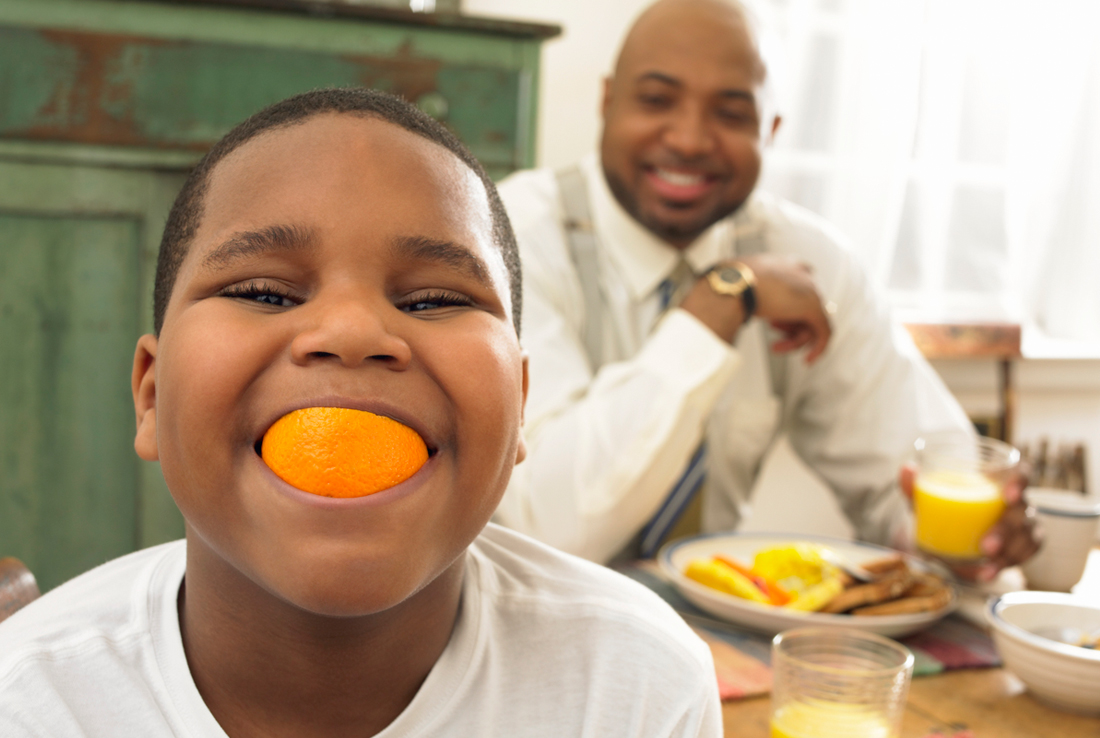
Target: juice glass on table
column 958, row 493
column 833, row 683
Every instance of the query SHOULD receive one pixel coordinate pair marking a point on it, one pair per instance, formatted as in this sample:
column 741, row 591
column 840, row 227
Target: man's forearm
column 600, row 465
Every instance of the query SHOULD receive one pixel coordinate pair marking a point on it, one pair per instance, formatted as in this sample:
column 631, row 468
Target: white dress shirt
column 604, row 448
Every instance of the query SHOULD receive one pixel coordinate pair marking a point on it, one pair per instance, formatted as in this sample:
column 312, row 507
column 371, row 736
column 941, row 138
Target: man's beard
column 679, row 234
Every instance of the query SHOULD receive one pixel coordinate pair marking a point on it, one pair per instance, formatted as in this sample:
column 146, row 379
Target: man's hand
column 786, row 297
column 1012, row 540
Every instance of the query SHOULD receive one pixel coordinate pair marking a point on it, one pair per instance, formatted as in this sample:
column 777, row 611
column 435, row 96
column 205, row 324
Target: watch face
column 729, row 275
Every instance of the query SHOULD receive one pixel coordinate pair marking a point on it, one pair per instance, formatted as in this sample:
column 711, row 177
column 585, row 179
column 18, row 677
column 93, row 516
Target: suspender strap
column 573, row 193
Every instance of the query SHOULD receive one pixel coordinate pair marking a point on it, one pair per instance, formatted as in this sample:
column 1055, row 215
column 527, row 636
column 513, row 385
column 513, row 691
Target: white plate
column 674, row 558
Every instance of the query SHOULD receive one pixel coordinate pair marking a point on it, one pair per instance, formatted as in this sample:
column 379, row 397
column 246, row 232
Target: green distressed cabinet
column 104, row 105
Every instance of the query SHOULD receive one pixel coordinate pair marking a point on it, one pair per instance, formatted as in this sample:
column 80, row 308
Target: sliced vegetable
column 776, row 594
column 724, row 578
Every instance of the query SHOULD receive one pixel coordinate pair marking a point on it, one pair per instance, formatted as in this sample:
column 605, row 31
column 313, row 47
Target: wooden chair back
column 17, row 586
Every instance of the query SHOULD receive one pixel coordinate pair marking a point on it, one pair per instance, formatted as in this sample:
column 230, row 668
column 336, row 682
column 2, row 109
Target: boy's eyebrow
column 250, row 243
column 445, row 252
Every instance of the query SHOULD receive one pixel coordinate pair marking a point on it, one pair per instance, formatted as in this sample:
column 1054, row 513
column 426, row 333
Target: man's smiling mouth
column 679, row 187
column 680, row 179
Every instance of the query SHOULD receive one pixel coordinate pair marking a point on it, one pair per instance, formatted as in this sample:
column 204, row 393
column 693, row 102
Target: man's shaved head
column 686, row 114
column 666, row 18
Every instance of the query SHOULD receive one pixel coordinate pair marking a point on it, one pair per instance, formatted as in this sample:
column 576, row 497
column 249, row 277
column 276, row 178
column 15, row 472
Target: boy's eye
column 433, row 300
column 264, row 293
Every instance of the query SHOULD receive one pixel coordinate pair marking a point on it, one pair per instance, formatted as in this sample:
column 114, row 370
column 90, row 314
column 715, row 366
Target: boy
column 340, row 249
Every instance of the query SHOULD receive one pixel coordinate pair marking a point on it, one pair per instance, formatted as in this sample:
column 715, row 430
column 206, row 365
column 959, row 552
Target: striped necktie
column 674, row 288
column 672, row 291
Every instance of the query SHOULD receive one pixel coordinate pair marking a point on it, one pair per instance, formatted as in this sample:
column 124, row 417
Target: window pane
column 905, row 271
column 976, row 254
column 815, row 110
column 808, row 190
column 983, row 131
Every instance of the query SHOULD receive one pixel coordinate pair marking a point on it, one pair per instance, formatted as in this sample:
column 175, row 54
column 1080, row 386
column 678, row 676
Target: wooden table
column 992, row 703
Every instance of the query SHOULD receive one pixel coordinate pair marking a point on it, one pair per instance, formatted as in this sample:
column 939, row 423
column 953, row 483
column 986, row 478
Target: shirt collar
column 643, row 258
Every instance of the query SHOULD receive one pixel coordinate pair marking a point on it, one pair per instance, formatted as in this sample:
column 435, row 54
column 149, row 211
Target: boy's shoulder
column 87, row 636
column 526, row 579
column 556, row 645
column 104, row 601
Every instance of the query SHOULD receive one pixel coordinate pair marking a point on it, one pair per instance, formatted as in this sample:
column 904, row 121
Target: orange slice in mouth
column 339, row 452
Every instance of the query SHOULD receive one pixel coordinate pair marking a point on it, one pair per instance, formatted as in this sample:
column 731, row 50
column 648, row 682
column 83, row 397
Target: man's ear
column 521, row 449
column 776, row 121
column 605, row 102
column 143, row 382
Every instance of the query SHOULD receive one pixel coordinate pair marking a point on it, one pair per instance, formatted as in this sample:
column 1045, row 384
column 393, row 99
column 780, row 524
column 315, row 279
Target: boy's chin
column 340, row 594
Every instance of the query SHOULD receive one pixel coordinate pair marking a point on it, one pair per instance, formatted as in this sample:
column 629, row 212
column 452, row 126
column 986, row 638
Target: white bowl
column 674, row 558
column 1064, row 676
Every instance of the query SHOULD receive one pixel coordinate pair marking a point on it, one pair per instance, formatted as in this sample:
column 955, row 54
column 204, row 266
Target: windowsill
column 1037, row 345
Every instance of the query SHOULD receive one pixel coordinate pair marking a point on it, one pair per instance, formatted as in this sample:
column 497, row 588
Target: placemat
column 742, row 658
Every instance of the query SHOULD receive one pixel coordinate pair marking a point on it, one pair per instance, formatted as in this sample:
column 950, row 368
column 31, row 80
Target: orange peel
column 340, row 452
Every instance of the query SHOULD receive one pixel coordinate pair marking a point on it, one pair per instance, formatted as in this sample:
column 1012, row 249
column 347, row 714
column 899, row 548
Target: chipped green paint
column 132, row 91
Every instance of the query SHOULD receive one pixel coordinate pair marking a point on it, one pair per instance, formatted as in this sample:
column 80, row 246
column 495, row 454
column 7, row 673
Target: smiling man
column 643, row 270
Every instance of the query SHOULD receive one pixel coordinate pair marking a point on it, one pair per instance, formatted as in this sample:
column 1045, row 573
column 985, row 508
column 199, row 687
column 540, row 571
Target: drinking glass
column 959, row 493
column 838, row 683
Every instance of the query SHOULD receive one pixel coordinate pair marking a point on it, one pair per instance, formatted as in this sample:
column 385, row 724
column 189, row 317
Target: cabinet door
column 77, row 250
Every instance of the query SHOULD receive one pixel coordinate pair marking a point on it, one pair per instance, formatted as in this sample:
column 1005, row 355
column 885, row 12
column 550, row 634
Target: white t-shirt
column 604, row 448
column 545, row 645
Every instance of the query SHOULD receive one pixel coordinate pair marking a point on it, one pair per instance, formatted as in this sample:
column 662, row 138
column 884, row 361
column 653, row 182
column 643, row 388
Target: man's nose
column 689, row 132
column 350, row 329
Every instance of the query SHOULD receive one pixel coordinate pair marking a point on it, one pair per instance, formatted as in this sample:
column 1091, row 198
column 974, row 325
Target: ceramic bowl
column 1028, row 628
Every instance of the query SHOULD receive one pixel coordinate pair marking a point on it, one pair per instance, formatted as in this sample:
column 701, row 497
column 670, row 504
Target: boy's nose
column 350, row 331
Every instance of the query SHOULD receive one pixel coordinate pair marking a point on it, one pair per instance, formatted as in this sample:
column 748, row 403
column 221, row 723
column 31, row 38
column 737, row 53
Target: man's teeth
column 680, row 179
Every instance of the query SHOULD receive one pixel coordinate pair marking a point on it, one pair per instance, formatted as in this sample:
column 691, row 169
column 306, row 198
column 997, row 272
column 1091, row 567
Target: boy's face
column 339, row 262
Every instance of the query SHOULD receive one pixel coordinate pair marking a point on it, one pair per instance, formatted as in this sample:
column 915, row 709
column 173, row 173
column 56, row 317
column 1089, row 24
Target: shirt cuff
column 683, row 351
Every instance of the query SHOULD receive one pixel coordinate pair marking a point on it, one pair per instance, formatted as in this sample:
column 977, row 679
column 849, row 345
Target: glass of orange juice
column 958, row 493
column 838, row 683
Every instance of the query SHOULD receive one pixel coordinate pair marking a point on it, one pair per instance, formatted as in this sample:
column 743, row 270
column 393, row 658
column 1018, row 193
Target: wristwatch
column 736, row 280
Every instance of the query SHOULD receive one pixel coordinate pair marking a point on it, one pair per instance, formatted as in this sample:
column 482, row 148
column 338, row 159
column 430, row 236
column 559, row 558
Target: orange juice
column 954, row 509
column 821, row 719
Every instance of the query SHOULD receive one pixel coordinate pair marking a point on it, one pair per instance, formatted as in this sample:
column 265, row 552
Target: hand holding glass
column 959, row 493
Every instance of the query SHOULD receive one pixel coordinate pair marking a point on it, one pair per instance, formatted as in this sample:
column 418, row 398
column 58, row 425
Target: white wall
column 573, row 66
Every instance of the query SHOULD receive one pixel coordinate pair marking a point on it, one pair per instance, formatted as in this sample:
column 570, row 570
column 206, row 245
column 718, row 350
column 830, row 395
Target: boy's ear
column 143, row 382
column 521, row 449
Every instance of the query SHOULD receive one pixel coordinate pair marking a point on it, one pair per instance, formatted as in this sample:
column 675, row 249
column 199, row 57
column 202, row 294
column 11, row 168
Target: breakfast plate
column 676, row 555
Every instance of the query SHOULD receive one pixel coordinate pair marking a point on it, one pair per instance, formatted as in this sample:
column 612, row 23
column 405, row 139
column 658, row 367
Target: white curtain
column 957, row 143
column 1054, row 170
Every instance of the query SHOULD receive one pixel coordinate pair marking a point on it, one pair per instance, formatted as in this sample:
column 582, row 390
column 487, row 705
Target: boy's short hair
column 186, row 213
